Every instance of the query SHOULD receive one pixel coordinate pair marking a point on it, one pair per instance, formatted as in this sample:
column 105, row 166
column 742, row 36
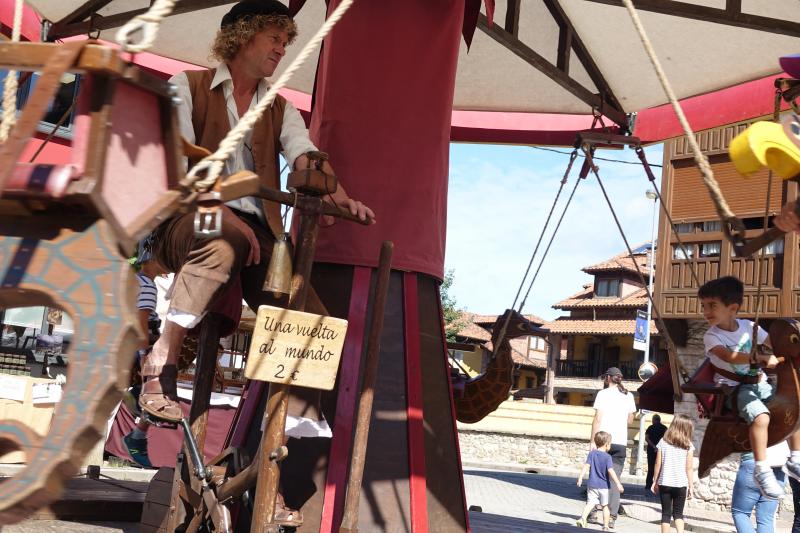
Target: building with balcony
column 598, row 331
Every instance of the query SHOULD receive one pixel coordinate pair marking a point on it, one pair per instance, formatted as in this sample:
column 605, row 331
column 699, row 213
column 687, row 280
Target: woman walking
column 674, row 471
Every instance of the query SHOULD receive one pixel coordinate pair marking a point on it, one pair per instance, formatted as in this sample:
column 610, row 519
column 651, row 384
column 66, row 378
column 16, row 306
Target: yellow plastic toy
column 766, row 144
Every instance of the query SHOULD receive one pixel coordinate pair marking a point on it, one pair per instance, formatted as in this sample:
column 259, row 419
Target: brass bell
column 279, row 273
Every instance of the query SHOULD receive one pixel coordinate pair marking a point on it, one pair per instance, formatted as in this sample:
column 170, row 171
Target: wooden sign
column 295, row 348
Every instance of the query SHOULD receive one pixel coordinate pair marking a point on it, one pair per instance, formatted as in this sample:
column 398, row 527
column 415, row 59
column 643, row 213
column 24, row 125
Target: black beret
column 249, row 8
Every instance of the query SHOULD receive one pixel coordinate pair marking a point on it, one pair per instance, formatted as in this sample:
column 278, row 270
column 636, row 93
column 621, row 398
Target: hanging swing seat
column 726, row 432
column 125, row 161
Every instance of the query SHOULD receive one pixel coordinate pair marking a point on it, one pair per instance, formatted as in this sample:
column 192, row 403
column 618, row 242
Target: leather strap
column 748, row 380
column 62, row 59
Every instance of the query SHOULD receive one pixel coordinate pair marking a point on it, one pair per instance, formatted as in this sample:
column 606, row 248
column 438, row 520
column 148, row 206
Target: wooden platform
column 101, row 499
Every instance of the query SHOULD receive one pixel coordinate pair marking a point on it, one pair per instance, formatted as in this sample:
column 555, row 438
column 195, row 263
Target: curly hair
column 230, row 39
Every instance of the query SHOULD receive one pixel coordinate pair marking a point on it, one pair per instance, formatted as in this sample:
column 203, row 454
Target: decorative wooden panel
column 771, row 270
column 745, row 196
column 681, row 273
column 715, row 140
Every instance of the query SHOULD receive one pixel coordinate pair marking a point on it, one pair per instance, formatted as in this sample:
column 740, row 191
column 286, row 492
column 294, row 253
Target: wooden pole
column 278, row 400
column 350, row 519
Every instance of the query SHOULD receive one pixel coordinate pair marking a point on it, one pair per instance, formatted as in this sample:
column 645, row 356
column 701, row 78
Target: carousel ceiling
column 539, row 56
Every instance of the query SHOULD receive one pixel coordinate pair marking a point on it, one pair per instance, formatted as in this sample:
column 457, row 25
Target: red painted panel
column 339, row 457
column 416, row 430
column 452, row 410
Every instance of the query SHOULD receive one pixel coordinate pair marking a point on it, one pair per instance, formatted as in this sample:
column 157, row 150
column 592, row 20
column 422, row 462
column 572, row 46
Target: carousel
column 385, row 86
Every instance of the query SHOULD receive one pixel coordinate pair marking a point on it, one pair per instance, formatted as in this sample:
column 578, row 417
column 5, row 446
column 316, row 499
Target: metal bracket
column 208, row 217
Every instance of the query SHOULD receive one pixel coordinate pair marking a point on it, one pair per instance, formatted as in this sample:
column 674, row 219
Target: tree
column 453, row 318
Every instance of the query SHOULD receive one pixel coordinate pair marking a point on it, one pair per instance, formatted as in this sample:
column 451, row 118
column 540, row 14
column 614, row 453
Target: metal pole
column 640, row 452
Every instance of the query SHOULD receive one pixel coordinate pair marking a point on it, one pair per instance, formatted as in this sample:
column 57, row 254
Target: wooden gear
column 726, row 432
column 485, row 392
column 65, row 232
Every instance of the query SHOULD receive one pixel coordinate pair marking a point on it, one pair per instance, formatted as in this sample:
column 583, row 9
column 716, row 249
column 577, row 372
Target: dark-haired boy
column 728, row 343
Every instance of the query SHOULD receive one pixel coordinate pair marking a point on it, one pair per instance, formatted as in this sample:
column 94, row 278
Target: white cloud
column 499, row 198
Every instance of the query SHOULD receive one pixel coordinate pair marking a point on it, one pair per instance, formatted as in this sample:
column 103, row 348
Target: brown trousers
column 205, row 267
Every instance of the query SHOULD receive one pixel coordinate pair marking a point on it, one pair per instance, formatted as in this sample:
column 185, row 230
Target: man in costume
column 249, row 46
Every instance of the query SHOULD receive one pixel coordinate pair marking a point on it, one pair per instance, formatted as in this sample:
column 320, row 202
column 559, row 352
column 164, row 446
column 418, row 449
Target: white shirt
column 735, row 341
column 294, row 135
column 615, row 408
column 673, row 465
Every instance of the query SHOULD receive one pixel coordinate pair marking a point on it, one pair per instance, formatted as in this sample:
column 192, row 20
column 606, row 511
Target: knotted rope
column 148, row 23
column 723, row 210
column 10, row 86
column 213, row 164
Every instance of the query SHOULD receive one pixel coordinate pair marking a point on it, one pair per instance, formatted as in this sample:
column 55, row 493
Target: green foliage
column 453, row 321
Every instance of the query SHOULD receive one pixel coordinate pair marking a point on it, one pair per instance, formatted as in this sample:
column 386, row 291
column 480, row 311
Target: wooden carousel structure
column 81, row 221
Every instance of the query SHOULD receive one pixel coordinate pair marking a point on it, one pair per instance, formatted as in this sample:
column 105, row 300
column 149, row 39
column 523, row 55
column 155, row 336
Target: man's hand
column 356, row 208
column 580, row 480
column 254, row 257
column 654, row 487
column 690, row 491
column 788, row 220
column 620, row 488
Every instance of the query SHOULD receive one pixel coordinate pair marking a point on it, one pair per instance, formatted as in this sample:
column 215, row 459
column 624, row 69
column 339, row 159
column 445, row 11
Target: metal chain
column 564, row 180
column 661, row 325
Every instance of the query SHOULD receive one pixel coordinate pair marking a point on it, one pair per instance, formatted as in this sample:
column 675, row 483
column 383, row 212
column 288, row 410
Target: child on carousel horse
column 728, row 346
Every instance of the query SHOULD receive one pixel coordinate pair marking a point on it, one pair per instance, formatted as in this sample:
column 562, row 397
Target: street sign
column 641, row 331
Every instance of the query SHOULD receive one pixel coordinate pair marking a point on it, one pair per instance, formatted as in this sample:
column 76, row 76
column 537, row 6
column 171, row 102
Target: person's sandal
column 285, row 516
column 160, row 393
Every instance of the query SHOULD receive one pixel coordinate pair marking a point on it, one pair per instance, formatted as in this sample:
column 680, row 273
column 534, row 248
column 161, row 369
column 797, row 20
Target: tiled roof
column 619, row 262
column 474, row 331
column 586, row 299
column 566, row 325
column 491, row 319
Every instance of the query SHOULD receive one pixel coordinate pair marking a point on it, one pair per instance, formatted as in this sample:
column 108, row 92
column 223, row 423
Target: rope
column 10, row 86
column 776, row 112
column 723, row 210
column 147, row 23
column 213, row 164
column 657, row 314
column 564, row 180
column 552, row 238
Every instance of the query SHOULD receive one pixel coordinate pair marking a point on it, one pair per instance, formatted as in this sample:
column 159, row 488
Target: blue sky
column 499, row 198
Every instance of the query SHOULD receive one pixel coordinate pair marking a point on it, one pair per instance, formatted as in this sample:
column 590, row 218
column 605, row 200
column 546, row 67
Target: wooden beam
column 81, row 27
column 526, row 53
column 512, row 17
column 565, row 36
column 709, row 14
column 582, row 53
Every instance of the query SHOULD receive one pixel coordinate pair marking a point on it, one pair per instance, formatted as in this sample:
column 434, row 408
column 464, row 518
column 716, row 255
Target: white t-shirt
column 615, row 408
column 673, row 465
column 735, row 341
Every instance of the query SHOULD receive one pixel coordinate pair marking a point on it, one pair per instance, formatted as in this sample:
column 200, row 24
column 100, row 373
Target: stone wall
column 529, row 450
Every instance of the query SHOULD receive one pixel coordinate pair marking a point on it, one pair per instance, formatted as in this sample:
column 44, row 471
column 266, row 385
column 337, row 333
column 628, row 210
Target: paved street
column 534, row 502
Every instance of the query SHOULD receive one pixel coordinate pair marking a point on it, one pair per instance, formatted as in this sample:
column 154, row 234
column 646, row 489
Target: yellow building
column 598, row 332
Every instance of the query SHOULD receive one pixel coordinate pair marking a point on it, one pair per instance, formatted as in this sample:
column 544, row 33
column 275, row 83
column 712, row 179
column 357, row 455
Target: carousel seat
column 40, row 181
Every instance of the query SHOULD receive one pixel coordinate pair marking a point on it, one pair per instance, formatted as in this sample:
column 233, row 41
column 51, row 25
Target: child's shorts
column 597, row 496
column 751, row 399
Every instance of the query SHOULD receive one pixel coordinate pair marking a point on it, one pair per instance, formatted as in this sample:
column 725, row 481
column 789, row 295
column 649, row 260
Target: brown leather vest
column 211, row 124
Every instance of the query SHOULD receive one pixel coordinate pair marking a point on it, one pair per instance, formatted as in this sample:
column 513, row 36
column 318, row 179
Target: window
column 712, row 225
column 686, row 227
column 536, row 343
column 687, row 252
column 774, row 248
column 710, row 249
column 60, row 106
column 607, row 287
column 530, row 382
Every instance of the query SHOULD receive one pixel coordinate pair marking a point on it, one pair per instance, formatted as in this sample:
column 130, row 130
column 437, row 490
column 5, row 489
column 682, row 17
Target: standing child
column 600, row 468
column 728, row 343
column 673, row 473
